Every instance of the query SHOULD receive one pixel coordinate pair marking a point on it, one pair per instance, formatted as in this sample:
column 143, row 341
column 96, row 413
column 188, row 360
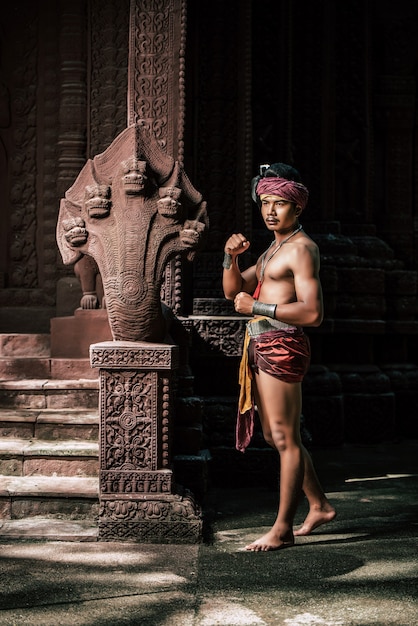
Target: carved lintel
column 141, row 355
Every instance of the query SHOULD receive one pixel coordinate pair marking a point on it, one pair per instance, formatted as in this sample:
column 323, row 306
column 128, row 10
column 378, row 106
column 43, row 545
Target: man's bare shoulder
column 304, row 251
column 304, row 237
column 302, row 243
column 308, row 242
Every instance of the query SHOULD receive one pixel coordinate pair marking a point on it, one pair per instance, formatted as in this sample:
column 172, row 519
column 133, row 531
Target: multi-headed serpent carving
column 131, row 209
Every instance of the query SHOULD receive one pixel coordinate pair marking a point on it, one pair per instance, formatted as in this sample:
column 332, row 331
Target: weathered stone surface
column 24, row 345
column 77, row 466
column 10, row 465
column 72, row 368
column 15, row 368
column 30, row 457
column 17, row 424
column 61, row 496
column 36, row 528
column 71, row 336
column 46, row 393
column 61, row 425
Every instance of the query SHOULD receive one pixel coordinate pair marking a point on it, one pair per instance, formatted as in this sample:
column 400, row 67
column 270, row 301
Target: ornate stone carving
column 213, row 306
column 109, row 43
column 138, row 482
column 21, row 106
column 131, row 420
column 156, row 84
column 172, row 520
column 139, row 500
column 132, row 209
column 227, row 336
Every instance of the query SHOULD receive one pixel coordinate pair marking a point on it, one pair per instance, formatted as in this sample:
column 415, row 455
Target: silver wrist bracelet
column 227, row 262
column 261, row 308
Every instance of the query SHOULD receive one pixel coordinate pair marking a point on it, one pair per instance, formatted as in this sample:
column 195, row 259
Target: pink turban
column 287, row 189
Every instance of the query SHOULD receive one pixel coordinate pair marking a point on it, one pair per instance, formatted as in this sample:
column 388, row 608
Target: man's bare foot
column 315, row 518
column 271, row 541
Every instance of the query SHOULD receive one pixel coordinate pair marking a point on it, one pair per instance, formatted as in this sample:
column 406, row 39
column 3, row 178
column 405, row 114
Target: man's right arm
column 233, row 280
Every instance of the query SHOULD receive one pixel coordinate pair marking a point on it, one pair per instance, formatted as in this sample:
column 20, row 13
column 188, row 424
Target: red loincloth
column 284, row 354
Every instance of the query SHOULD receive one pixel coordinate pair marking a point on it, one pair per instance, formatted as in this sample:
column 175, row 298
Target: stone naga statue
column 131, row 209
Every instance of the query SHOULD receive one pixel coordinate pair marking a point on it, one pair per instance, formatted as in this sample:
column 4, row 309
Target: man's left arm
column 308, row 309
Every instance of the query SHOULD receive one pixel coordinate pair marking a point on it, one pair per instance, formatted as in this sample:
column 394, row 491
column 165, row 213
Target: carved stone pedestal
column 139, row 500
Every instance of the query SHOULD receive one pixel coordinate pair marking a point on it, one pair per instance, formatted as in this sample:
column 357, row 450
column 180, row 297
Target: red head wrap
column 287, row 189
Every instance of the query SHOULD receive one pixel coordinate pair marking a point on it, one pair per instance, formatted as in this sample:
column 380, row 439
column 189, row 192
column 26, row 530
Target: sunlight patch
column 219, row 613
column 307, row 619
column 161, row 578
column 382, row 570
column 385, row 477
column 241, row 535
column 74, row 554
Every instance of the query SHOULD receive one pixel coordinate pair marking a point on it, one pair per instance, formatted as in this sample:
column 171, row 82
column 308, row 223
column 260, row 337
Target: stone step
column 28, row 356
column 24, row 367
column 38, row 528
column 25, row 345
column 60, row 497
column 35, row 457
column 25, row 356
column 73, row 368
column 44, row 393
column 44, row 367
column 50, row 424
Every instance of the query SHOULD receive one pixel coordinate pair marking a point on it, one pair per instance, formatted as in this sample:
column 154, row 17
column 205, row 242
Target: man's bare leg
column 320, row 509
column 279, row 407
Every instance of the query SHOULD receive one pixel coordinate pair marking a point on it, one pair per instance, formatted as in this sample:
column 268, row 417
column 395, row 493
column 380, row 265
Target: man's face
column 278, row 213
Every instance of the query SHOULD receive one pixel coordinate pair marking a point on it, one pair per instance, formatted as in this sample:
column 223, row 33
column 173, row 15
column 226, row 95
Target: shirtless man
column 287, row 295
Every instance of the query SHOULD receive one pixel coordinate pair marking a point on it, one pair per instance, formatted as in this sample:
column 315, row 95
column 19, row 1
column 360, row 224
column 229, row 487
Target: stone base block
column 151, row 532
column 170, row 520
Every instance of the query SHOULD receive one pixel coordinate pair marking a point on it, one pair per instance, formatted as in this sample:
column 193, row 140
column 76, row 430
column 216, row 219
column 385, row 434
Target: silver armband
column 227, row 262
column 261, row 308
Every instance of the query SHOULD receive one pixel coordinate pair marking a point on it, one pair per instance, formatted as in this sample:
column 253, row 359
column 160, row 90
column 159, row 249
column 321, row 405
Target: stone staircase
column 49, row 424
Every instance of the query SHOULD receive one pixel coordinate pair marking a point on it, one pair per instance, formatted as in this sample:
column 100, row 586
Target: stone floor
column 359, row 570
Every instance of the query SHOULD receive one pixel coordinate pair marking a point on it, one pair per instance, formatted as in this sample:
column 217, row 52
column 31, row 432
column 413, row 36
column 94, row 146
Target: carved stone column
column 156, row 94
column 138, row 497
column 131, row 217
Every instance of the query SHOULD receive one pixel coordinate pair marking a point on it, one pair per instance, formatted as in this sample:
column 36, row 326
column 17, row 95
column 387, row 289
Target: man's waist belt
column 263, row 325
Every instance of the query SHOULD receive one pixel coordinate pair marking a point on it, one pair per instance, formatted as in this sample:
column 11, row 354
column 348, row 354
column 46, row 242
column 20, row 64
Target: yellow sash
column 245, row 378
column 245, row 401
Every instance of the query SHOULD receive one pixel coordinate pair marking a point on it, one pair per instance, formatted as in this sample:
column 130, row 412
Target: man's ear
column 298, row 210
